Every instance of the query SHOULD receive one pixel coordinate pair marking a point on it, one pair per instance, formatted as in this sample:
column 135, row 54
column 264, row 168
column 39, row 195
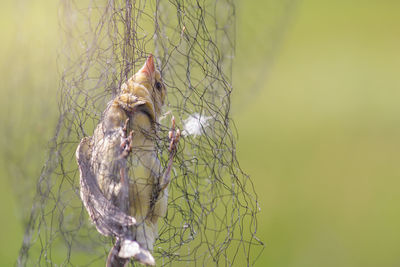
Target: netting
column 212, row 206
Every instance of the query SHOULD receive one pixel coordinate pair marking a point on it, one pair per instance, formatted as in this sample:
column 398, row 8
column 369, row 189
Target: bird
column 123, row 186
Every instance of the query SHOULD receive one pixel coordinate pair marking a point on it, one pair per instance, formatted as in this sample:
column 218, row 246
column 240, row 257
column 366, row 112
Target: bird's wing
column 108, row 219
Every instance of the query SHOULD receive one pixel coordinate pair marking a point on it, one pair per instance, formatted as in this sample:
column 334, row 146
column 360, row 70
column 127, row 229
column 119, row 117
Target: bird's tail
column 113, row 260
column 123, row 250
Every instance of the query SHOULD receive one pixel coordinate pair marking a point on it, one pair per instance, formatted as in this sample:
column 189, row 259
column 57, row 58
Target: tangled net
column 212, row 207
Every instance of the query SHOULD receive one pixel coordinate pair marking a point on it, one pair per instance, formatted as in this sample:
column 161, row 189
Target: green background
column 317, row 107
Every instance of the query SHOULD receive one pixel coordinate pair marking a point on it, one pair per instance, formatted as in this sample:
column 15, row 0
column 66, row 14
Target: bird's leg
column 174, row 136
column 125, row 241
column 126, row 148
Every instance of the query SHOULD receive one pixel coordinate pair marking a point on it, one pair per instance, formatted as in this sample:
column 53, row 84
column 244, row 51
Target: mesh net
column 212, row 207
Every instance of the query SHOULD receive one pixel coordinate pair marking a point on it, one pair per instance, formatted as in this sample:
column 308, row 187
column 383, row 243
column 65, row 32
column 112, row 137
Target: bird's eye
column 158, row 86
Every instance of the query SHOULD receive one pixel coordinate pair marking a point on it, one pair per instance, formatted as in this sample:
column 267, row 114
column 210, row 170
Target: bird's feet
column 174, row 136
column 126, row 140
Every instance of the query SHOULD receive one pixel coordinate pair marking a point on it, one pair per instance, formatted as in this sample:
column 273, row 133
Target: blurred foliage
column 316, row 107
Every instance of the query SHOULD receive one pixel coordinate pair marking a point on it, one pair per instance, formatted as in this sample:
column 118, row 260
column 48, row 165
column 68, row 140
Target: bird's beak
column 148, row 67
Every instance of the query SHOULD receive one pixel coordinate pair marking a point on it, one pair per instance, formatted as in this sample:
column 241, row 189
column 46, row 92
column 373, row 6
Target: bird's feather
column 121, row 175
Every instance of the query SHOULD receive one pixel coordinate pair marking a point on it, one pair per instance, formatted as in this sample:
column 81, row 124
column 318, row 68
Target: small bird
column 123, row 185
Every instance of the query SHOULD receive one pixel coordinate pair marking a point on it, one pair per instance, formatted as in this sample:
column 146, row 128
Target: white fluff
column 128, row 249
column 194, row 124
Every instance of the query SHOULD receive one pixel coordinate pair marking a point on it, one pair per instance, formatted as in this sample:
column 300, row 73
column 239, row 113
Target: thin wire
column 212, row 206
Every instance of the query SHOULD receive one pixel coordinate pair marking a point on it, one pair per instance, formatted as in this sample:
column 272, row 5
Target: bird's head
column 147, row 85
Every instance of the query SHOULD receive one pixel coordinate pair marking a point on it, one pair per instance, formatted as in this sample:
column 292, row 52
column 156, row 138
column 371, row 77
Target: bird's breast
column 143, row 164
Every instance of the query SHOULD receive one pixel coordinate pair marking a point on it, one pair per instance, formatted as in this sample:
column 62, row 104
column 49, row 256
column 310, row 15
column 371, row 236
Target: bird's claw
column 126, row 143
column 174, row 136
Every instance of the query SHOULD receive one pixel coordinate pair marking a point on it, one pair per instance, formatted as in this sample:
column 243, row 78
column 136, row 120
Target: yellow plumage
column 121, row 157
